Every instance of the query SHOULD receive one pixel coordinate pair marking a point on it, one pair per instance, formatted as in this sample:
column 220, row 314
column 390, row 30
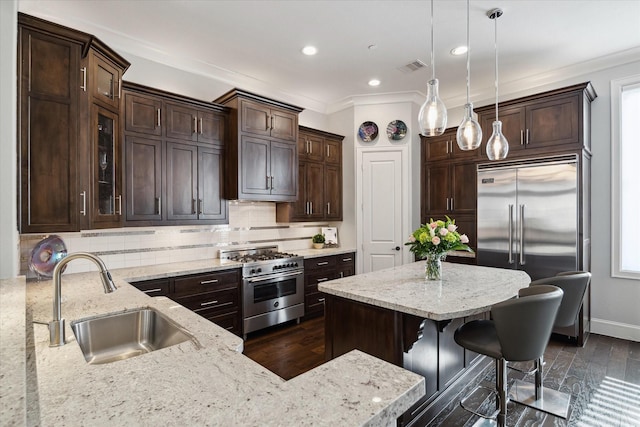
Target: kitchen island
column 398, row 316
column 184, row 384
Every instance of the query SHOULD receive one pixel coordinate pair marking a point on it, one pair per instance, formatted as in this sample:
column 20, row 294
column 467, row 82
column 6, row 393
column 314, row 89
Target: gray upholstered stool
column 519, row 331
column 574, row 285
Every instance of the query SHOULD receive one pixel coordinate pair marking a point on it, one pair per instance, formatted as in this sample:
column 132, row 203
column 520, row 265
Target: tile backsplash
column 250, row 224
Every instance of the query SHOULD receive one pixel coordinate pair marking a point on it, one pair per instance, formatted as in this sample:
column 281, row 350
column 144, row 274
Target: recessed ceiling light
column 460, row 50
column 309, row 50
column 374, row 82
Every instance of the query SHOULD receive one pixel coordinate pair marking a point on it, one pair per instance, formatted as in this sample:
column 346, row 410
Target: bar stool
column 519, row 331
column 574, row 285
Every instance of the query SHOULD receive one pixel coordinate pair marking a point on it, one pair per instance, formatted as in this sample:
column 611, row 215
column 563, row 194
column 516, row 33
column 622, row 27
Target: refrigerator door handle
column 510, row 234
column 521, row 234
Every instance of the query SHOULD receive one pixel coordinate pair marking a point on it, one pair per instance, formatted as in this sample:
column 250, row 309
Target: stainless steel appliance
column 272, row 286
column 528, row 216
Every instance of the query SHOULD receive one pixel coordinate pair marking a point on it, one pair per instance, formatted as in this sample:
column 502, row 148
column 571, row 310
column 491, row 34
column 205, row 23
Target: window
column 625, row 179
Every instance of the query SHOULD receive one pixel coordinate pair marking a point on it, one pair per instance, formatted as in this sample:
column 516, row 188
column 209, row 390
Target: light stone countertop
column 314, row 253
column 463, row 291
column 179, row 385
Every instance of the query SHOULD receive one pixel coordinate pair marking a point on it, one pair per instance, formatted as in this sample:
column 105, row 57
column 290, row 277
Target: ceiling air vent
column 412, row 66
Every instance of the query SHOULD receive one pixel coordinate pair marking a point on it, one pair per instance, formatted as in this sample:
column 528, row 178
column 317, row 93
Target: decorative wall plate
column 396, row 130
column 46, row 254
column 368, row 131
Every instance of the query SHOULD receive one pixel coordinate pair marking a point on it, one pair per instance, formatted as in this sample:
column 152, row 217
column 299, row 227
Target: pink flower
column 412, row 239
column 444, row 232
column 464, row 239
column 452, row 227
column 433, row 225
column 435, row 240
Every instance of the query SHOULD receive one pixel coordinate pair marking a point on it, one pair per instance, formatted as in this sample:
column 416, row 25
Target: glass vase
column 433, row 267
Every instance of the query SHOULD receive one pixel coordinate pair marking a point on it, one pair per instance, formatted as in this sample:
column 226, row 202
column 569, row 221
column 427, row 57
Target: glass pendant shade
column 497, row 145
column 433, row 113
column 469, row 135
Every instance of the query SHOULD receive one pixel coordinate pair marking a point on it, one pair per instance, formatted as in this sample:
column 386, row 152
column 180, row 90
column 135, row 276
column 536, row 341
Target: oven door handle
column 271, row 277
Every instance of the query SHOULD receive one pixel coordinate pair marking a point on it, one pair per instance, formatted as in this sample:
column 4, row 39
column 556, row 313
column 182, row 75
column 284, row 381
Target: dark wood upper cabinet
column 262, row 153
column 68, row 134
column 320, row 179
column 547, row 123
column 143, row 175
column 174, row 158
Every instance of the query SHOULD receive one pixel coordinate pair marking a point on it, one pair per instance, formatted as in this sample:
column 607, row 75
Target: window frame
column 617, row 87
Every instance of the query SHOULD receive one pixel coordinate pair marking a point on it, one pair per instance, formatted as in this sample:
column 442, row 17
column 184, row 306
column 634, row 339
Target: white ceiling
column 255, row 45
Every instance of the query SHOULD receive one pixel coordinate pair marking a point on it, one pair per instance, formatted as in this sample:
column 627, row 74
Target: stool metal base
column 484, row 422
column 550, row 401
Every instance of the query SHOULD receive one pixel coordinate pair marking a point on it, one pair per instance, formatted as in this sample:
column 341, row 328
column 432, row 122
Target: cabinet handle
column 447, row 203
column 159, row 202
column 328, row 208
column 200, row 125
column 209, row 282
column 521, row 137
column 84, row 203
column 341, row 274
column 119, row 211
column 193, row 206
column 328, row 152
column 159, row 118
column 200, row 206
column 452, row 203
column 266, row 122
column 150, row 291
column 84, row 78
column 195, row 124
column 272, row 182
column 204, row 304
column 323, row 279
column 347, row 259
column 267, row 184
column 526, row 142
column 310, row 208
column 322, row 263
column 320, row 299
column 271, row 122
column 119, row 88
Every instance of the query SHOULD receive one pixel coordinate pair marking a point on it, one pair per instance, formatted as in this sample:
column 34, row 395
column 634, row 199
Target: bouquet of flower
column 437, row 238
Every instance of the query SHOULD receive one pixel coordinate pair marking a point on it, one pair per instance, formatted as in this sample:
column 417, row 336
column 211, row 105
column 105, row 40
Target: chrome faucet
column 56, row 326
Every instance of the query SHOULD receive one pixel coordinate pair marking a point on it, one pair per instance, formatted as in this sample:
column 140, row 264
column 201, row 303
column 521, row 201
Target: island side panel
column 353, row 325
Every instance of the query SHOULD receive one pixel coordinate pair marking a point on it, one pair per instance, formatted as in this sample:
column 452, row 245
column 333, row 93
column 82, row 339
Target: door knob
column 397, row 248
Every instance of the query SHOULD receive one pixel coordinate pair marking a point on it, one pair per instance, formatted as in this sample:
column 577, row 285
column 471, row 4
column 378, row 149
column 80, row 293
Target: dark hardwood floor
column 603, row 377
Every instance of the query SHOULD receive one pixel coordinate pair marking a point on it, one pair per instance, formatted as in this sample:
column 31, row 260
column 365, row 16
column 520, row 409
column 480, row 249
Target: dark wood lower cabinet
column 322, row 269
column 420, row 345
column 214, row 295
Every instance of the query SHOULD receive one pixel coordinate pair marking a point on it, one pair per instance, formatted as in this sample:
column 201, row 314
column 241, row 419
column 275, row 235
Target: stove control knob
column 295, row 264
column 253, row 271
column 276, row 267
column 276, row 304
column 259, row 270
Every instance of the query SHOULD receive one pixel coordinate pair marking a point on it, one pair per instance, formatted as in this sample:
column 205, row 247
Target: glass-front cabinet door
column 107, row 206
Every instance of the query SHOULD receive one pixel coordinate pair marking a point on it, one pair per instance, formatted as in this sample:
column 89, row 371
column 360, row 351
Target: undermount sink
column 118, row 336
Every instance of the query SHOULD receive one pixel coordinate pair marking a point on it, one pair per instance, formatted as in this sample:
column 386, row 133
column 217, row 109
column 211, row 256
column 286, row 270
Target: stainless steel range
column 272, row 286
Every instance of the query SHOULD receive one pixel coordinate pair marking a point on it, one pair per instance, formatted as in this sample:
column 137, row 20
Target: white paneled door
column 382, row 210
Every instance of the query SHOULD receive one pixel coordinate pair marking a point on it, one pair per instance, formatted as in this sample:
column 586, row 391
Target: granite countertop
column 181, row 384
column 463, row 291
column 314, row 253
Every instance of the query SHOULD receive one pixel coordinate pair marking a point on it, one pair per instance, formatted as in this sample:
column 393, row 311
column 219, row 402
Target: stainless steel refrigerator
column 528, row 216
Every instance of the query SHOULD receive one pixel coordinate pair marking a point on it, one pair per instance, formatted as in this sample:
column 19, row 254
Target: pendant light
column 433, row 114
column 469, row 135
column 497, row 145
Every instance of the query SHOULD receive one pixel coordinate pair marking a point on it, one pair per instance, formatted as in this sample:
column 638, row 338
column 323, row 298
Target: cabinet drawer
column 219, row 300
column 229, row 321
column 311, row 280
column 207, row 282
column 314, row 303
column 154, row 288
column 325, row 263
